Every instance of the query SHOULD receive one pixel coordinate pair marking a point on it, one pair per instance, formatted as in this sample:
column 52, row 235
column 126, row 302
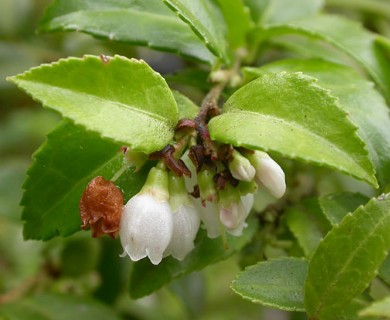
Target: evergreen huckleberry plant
column 289, row 104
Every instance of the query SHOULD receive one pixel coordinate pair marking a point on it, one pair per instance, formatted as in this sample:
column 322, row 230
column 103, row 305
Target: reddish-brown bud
column 101, row 207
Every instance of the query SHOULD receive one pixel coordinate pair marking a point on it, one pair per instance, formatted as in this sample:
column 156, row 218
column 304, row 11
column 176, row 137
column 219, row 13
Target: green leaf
column 275, row 283
column 127, row 101
column 187, row 109
column 384, row 271
column 378, row 309
column 290, row 114
column 347, row 259
column 190, row 77
column 57, row 306
column 205, row 20
column 237, row 20
column 207, row 251
column 307, row 223
column 62, row 168
column 351, row 311
column 344, row 34
column 364, row 105
column 274, row 11
column 139, row 22
column 336, row 206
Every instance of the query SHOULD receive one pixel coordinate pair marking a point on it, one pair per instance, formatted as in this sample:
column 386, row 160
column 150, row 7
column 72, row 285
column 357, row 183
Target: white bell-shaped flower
column 209, row 215
column 232, row 211
column 147, row 224
column 241, row 168
column 186, row 220
column 268, row 173
column 247, row 201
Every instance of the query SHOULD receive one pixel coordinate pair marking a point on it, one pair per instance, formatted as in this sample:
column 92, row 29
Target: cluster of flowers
column 163, row 219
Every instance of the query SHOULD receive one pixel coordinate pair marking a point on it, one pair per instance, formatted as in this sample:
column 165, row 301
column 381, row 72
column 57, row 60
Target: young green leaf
column 344, row 34
column 124, row 100
column 62, row 168
column 347, row 259
column 207, row 251
column 336, row 206
column 49, row 306
column 187, row 109
column 275, row 283
column 384, row 271
column 237, row 20
column 307, row 223
column 378, row 309
column 139, row 22
column 290, row 114
column 205, row 20
column 364, row 105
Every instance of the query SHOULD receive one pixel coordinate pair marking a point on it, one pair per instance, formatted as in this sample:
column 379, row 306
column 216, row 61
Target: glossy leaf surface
column 127, row 101
column 138, row 22
column 205, row 20
column 364, row 105
column 290, row 114
column 276, row 283
column 348, row 259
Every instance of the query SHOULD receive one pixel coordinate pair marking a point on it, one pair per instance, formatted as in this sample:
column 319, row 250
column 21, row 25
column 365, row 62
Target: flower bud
column 186, row 220
column 232, row 211
column 268, row 173
column 206, row 186
column 241, row 168
column 147, row 224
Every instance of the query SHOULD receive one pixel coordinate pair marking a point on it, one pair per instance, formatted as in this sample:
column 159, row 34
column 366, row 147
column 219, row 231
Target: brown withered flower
column 101, row 207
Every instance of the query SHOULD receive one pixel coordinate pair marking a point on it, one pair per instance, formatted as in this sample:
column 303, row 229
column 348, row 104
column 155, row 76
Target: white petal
column 238, row 230
column 186, row 223
column 210, row 218
column 241, row 168
column 248, row 201
column 146, row 228
column 269, row 174
column 233, row 214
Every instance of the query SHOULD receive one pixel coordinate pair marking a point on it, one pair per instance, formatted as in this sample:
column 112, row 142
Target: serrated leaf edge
column 313, row 82
column 111, row 36
column 193, row 27
column 19, row 78
column 35, row 159
column 349, row 216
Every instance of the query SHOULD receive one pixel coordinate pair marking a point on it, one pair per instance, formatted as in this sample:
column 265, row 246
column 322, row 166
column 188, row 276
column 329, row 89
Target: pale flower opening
column 162, row 219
